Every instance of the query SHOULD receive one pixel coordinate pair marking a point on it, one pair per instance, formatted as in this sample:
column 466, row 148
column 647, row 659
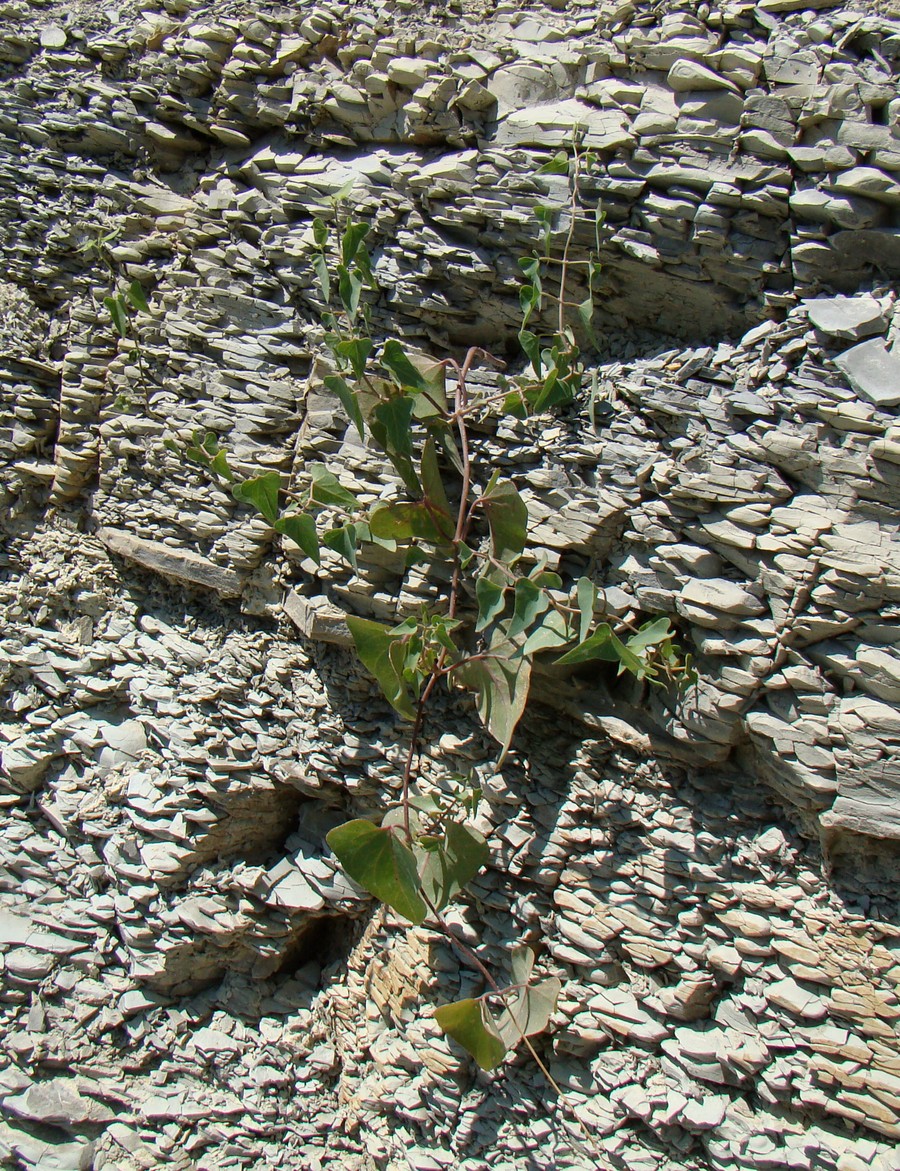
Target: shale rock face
column 188, row 980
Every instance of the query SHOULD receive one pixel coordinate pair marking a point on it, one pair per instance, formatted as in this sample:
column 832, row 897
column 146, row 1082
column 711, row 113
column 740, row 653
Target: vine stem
column 564, row 269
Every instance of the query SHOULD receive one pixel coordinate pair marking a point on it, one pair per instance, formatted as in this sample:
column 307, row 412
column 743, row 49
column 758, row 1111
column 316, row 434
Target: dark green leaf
column 650, row 634
column 446, row 870
column 373, row 644
column 353, row 236
column 507, row 518
column 326, row 489
column 531, row 344
column 598, row 646
column 553, row 631
column 320, row 232
column 381, row 864
column 395, row 359
column 320, row 264
column 586, row 597
column 218, row 465
column 356, row 351
column 349, row 289
column 343, row 540
column 390, row 423
column 558, row 165
column 468, row 1023
column 405, row 521
column 137, row 297
column 301, row 528
column 117, row 311
column 432, row 484
column 262, row 493
column 586, row 311
column 348, row 400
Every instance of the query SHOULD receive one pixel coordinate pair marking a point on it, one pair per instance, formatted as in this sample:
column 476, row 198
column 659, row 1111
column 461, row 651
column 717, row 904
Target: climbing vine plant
column 499, row 611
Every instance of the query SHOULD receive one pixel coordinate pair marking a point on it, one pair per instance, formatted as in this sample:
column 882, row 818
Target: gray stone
column 873, row 372
column 182, row 566
column 852, row 318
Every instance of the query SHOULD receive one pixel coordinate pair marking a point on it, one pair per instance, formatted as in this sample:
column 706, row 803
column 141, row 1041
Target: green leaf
column 348, row 400
column 528, row 1011
column 500, row 680
column 586, row 597
column 552, row 632
column 381, row 864
column 529, row 300
column 530, row 603
column 507, row 518
column 395, row 359
column 262, row 492
column 137, row 297
column 353, row 236
column 320, row 264
column 301, row 528
column 341, row 194
column 390, row 424
column 356, row 351
column 117, row 311
column 468, row 1023
column 373, row 645
column 650, row 634
column 218, row 465
column 491, row 600
column 446, row 870
column 406, row 521
column 343, row 540
column 598, row 646
column 585, row 311
column 432, row 484
column 558, row 165
column 327, row 490
column 521, row 962
column 320, row 232
column 531, row 344
column 350, row 287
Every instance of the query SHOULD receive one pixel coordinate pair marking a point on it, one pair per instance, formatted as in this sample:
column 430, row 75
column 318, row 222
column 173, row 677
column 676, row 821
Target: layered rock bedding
column 188, row 978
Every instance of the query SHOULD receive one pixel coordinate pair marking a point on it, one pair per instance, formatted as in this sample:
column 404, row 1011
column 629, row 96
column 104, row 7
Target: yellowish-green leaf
column 468, row 1023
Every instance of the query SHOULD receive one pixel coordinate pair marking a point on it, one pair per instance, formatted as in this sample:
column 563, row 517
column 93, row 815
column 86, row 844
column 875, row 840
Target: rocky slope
column 187, row 979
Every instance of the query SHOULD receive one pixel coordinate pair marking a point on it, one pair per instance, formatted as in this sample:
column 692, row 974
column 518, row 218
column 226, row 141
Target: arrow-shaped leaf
column 301, row 528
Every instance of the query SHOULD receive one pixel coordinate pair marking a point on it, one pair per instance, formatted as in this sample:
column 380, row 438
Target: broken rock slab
column 853, row 318
column 180, row 565
column 873, row 371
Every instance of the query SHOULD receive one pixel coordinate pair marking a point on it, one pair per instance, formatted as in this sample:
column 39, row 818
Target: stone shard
column 182, row 566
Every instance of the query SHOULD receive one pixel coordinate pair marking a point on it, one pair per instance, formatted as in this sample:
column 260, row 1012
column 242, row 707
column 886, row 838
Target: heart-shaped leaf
column 301, row 528
column 381, row 864
column 262, row 492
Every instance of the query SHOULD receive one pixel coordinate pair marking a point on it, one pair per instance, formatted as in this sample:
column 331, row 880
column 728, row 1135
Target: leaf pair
column 527, row 1011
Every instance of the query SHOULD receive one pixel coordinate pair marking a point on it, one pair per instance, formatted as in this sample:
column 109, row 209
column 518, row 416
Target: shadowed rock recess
column 187, row 980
